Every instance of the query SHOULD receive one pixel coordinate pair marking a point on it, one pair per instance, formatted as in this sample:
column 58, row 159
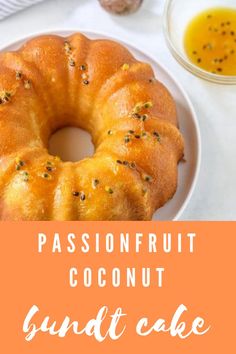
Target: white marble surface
column 215, row 195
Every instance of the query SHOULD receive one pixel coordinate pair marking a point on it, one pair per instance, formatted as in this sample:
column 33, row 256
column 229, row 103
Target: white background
column 215, row 195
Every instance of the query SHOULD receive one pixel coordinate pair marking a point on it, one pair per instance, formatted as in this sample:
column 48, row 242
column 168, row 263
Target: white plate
column 188, row 171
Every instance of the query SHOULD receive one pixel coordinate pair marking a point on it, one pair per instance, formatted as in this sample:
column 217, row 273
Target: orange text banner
column 118, row 287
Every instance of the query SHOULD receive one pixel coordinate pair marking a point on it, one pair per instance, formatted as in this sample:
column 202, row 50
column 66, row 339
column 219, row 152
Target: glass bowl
column 177, row 15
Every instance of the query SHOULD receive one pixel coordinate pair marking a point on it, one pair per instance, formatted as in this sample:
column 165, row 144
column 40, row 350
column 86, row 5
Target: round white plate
column 188, row 171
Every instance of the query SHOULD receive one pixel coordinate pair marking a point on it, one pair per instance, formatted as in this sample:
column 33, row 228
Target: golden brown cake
column 97, row 85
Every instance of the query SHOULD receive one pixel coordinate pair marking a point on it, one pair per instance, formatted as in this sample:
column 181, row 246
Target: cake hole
column 71, row 144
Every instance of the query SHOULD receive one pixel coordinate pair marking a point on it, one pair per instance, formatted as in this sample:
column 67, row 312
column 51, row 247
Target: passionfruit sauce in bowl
column 210, row 41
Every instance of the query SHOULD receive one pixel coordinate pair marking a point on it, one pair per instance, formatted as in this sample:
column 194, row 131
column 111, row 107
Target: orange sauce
column 210, row 41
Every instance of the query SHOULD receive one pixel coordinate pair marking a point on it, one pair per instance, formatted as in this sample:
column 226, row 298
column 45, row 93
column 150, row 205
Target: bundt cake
column 97, row 85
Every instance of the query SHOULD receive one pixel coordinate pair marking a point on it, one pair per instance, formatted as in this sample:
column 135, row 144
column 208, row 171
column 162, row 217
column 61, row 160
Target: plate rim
column 61, row 31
